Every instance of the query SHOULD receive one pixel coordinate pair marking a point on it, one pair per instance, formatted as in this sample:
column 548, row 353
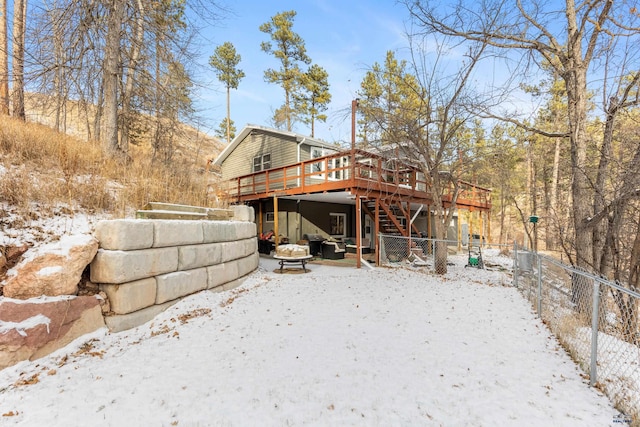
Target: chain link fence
column 422, row 252
column 399, row 250
column 597, row 321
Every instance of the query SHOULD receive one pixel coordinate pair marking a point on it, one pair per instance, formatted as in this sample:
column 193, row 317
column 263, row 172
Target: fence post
column 515, row 264
column 539, row 297
column 593, row 372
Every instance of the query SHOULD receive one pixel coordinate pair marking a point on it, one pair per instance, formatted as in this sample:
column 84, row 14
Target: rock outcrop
column 55, row 270
column 35, row 328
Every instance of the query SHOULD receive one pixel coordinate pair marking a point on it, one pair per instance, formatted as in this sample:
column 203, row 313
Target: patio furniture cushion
column 364, row 247
column 332, row 250
column 292, row 251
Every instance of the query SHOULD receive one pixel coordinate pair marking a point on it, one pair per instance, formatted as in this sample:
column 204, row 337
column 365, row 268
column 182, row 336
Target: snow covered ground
column 336, row 346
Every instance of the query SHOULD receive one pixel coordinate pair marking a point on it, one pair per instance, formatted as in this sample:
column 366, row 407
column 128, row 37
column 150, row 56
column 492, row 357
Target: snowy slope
column 336, row 346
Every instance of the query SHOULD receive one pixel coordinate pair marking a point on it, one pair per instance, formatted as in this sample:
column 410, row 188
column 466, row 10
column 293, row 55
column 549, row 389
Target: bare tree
column 425, row 114
column 111, row 75
column 4, row 60
column 19, row 28
column 135, row 50
column 568, row 40
column 65, row 48
column 114, row 59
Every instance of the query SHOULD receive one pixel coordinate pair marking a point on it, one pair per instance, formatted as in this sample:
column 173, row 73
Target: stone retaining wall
column 144, row 266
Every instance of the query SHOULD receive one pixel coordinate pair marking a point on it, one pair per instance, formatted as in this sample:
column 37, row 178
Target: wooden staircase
column 394, row 217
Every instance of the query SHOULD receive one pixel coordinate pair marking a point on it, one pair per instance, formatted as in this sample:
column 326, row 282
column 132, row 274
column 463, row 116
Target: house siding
column 283, row 150
column 305, row 152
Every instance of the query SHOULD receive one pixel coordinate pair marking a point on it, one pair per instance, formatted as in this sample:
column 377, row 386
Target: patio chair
column 332, row 250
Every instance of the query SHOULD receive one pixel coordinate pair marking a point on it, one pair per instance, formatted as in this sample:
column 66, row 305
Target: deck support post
column 377, row 230
column 275, row 221
column 459, row 231
column 358, row 230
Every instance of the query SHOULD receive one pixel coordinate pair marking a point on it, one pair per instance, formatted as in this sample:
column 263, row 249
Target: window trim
column 344, row 223
column 262, row 162
column 317, row 168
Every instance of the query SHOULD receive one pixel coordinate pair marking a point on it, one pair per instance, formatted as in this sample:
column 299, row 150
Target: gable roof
column 249, row 128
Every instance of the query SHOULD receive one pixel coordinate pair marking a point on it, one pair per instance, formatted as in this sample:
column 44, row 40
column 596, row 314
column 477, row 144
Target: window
column 315, row 153
column 262, row 162
column 339, row 163
column 334, row 167
column 336, row 174
column 337, row 225
column 366, row 168
column 388, row 171
column 270, row 217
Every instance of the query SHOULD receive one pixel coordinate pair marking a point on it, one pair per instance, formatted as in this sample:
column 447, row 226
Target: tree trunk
column 111, row 76
column 228, row 114
column 580, row 186
column 157, row 133
column 59, row 80
column 582, row 196
column 313, row 126
column 97, row 128
column 442, row 220
column 551, row 240
column 629, row 306
column 4, row 60
column 531, row 194
column 134, row 56
column 602, row 256
column 287, row 109
column 440, row 246
column 19, row 24
column 502, row 215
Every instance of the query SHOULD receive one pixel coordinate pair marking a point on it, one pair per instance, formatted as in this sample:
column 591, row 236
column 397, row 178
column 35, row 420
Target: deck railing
column 347, row 170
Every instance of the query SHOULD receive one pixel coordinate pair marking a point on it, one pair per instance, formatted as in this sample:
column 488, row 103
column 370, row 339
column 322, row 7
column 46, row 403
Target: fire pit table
column 292, row 254
column 293, row 260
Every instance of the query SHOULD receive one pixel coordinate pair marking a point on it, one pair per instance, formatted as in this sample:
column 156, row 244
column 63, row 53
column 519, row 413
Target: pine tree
column 226, row 129
column 290, row 50
column 225, row 60
column 387, row 99
column 315, row 96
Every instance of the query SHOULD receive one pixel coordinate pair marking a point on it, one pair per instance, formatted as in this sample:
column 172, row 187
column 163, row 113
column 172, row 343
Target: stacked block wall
column 144, row 266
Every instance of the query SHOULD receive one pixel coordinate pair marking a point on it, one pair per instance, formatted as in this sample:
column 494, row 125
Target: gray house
column 303, row 186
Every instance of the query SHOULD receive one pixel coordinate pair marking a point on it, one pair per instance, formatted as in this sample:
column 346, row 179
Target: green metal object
column 533, row 219
column 473, row 261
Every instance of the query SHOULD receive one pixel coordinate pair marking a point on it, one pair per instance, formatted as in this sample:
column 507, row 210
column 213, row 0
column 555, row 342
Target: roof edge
column 250, row 127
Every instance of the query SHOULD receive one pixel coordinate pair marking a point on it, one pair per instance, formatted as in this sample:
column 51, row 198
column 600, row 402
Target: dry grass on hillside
column 44, row 170
column 192, row 146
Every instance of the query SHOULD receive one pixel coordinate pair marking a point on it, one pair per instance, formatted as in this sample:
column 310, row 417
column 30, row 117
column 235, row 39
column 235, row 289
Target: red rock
column 29, row 330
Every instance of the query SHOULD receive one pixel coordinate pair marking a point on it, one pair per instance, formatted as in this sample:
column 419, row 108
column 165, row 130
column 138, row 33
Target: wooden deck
column 357, row 172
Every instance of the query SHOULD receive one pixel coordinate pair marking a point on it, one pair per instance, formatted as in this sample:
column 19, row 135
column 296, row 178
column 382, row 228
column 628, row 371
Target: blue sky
column 343, row 37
